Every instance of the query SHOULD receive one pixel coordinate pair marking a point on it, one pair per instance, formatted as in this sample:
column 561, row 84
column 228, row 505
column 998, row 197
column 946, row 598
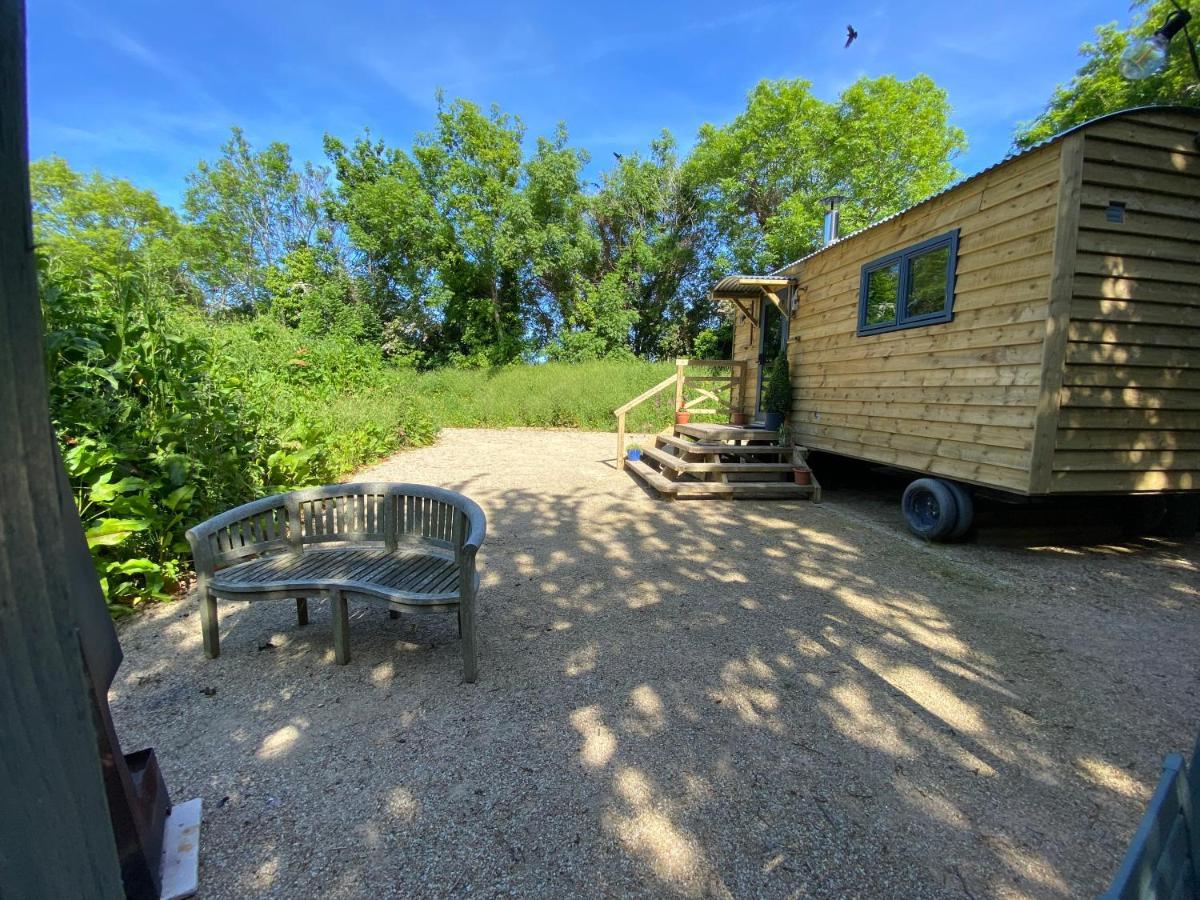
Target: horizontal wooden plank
column 1083, row 308
column 814, row 397
column 1171, row 132
column 989, row 357
column 1125, row 439
column 1126, row 460
column 1018, row 250
column 991, row 435
column 1136, row 201
column 1135, row 334
column 923, row 378
column 1181, row 159
column 1135, row 419
column 924, row 445
column 1110, row 266
column 1120, row 288
column 1140, row 223
column 1182, row 245
column 971, row 472
column 1012, row 416
column 1128, row 355
column 1123, row 482
column 925, row 340
column 1121, row 377
column 1179, row 185
column 1133, row 398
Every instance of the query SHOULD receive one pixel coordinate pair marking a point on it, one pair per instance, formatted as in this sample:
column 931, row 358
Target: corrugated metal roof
column 1190, row 110
column 746, row 285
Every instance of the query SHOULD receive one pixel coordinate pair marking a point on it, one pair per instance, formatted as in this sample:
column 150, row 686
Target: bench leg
column 301, row 611
column 341, row 628
column 208, row 625
column 470, row 655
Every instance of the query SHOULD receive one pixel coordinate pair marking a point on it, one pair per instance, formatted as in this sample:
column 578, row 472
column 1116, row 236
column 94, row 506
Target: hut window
column 911, row 287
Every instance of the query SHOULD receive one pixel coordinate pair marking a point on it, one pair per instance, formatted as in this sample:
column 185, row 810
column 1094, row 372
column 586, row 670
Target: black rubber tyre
column 929, row 509
column 966, row 510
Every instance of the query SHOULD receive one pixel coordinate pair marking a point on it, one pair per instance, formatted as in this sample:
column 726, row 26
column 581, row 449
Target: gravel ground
column 705, row 698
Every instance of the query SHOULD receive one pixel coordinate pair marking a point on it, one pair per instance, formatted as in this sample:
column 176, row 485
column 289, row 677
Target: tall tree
column 248, row 211
column 648, row 290
column 1098, row 87
column 90, row 224
column 884, row 145
column 471, row 165
column 396, row 237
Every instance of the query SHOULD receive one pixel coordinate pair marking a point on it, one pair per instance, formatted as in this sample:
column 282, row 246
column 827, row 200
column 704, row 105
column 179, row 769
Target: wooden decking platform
column 727, row 461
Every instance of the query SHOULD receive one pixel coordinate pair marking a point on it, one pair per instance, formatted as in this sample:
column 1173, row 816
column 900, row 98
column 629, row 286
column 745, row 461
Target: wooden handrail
column 645, row 395
column 679, row 379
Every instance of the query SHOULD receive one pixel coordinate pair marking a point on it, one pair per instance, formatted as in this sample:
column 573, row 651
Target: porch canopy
column 743, row 290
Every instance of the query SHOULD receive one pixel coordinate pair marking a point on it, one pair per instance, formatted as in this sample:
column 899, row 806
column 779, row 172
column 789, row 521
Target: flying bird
column 618, row 156
column 851, row 34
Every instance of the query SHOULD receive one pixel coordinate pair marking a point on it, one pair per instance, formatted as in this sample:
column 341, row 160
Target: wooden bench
column 407, row 547
column 1163, row 861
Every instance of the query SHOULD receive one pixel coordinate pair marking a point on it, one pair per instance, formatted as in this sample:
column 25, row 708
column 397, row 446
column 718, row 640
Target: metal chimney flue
column 833, row 219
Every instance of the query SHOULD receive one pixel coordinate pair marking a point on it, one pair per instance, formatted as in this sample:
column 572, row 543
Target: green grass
column 341, row 401
column 552, row 395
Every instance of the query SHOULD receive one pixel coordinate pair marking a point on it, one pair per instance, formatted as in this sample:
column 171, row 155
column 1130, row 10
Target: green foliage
column 248, row 211
column 152, row 441
column 716, row 343
column 885, row 144
column 778, row 395
column 95, row 224
column 1098, row 86
column 551, row 395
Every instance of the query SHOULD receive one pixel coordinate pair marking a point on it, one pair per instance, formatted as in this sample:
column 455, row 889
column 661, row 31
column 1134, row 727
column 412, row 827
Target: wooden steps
column 709, row 433
column 730, row 449
column 683, row 466
column 719, row 461
column 759, row 490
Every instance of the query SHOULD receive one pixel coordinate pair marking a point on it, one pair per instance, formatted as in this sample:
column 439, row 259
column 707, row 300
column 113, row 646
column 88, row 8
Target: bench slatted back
column 391, row 515
column 344, row 517
column 259, row 533
column 1163, row 861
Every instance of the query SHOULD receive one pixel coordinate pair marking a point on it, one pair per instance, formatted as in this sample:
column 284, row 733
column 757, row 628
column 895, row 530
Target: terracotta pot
column 802, row 476
column 682, row 417
column 739, row 419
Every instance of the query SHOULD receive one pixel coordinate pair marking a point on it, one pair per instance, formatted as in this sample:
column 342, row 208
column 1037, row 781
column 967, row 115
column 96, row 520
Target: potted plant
column 800, row 470
column 777, row 399
column 682, row 416
column 634, row 453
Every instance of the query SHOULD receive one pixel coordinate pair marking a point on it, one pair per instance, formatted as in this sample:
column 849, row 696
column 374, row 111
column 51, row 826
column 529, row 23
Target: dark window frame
column 904, row 258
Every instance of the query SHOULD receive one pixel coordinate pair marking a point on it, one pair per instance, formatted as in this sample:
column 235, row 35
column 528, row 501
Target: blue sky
column 144, row 89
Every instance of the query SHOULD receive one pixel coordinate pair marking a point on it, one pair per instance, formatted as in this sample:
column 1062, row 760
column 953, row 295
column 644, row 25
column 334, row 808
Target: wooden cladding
column 1130, row 399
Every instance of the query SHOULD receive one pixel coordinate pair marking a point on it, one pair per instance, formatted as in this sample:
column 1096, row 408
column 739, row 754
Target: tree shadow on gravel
column 747, row 699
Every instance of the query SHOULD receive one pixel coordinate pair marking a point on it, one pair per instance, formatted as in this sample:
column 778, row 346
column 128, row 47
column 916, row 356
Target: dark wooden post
column 69, row 806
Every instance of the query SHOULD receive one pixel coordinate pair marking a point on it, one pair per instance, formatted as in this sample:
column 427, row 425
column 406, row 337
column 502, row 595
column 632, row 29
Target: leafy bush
column 778, row 396
column 167, row 417
column 151, row 440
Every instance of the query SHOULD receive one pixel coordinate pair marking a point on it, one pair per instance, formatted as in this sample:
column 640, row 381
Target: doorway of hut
column 772, row 341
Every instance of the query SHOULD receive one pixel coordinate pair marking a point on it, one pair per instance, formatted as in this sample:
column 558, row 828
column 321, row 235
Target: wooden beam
column 1058, row 320
column 774, row 298
column 747, row 309
column 55, row 830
